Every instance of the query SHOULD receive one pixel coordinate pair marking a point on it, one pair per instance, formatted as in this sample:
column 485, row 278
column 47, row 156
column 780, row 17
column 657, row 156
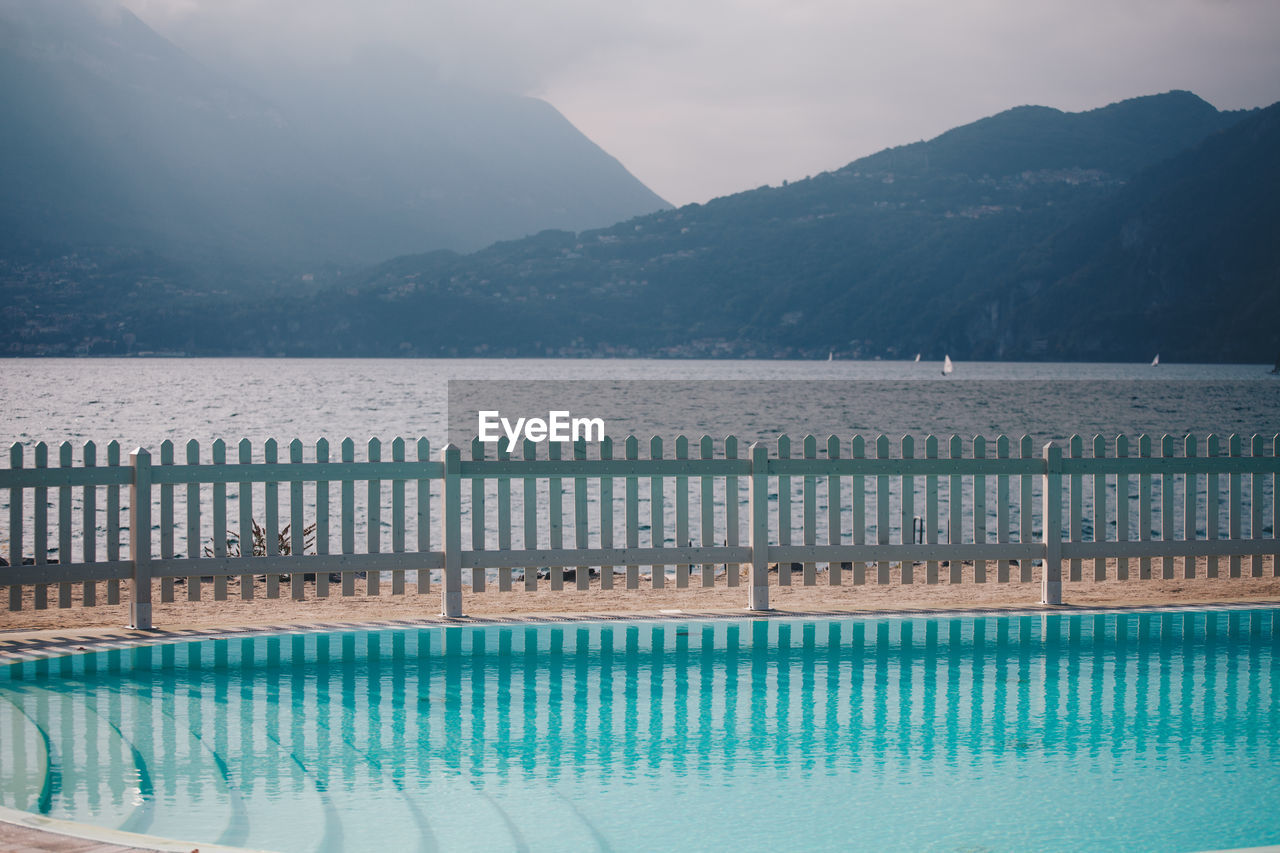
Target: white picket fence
column 844, row 507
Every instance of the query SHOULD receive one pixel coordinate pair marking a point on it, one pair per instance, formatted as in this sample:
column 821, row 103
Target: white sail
column 1155, row 362
column 946, row 365
column 917, row 358
column 831, row 356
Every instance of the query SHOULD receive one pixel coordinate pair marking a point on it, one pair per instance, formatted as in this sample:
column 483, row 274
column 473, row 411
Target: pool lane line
column 52, row 772
column 237, row 830
column 143, row 814
column 427, row 841
column 517, row 837
column 19, row 651
column 601, row 841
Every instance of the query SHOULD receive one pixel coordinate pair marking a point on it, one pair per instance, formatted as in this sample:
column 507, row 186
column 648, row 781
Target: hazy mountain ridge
column 1144, row 226
column 116, row 139
column 975, row 258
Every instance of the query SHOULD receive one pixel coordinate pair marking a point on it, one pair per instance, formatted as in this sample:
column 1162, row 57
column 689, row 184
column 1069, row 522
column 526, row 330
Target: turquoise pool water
column 1138, row 731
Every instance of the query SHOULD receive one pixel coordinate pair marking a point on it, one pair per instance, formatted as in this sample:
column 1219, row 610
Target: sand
column 208, row 614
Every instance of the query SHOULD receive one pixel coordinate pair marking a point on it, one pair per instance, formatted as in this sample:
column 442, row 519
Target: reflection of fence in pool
column 385, row 719
column 840, row 511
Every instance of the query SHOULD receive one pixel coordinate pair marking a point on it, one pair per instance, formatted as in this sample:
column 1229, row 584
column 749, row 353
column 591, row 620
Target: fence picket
column 140, row 540
column 1075, row 450
column 631, row 510
column 397, row 516
column 1213, row 495
column 166, row 522
column 857, row 450
column 606, row 512
column 1123, row 530
column 758, row 595
column 64, row 525
column 682, row 512
column 955, row 506
column 931, row 508
column 451, row 538
column 1026, row 517
column 478, row 514
column 322, row 518
column 555, row 490
column 1100, row 507
column 1002, row 509
column 1190, row 488
column 657, row 536
column 1051, row 496
column 882, row 509
column 194, row 532
column 245, row 541
column 907, row 516
column 89, row 525
column 810, row 494
column 297, row 523
column 347, row 492
column 15, row 526
column 1166, row 506
column 113, row 522
column 1144, row 506
column 373, row 578
column 1255, row 506
column 979, row 509
column 424, row 517
column 219, row 547
column 835, row 569
column 504, row 514
column 271, row 513
column 529, row 530
column 707, row 507
column 40, row 532
column 582, row 574
column 784, row 511
column 1233, row 520
column 732, row 498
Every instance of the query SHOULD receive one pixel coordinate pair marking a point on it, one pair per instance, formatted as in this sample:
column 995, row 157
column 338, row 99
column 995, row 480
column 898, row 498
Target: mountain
column 1188, row 255
column 115, row 139
column 981, row 242
column 1147, row 225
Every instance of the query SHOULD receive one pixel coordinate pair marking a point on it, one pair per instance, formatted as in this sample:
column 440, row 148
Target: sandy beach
column 235, row 612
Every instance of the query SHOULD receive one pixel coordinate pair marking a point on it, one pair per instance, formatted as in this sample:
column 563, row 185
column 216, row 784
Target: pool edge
column 25, row 647
column 42, row 825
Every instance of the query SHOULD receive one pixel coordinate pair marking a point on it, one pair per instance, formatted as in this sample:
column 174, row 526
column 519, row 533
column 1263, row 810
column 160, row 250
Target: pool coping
column 115, row 839
column 36, row 645
column 46, row 643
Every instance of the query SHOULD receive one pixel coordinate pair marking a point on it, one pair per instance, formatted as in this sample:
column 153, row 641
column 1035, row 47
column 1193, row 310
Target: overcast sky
column 700, row 98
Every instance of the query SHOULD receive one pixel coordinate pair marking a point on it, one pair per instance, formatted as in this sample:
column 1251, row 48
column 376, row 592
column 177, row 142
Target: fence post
column 759, row 591
column 451, row 521
column 140, row 540
column 1051, row 531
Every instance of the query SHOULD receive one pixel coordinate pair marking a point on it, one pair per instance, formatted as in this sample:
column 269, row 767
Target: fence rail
column 843, row 508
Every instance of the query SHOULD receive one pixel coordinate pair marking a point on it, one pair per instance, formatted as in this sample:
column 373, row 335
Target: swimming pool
column 1142, row 731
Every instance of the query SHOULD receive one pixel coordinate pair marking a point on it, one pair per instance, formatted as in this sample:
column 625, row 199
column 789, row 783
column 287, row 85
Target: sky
column 703, row 98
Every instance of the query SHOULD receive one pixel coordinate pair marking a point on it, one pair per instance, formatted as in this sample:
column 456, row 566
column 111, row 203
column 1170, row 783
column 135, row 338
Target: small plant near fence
column 284, row 542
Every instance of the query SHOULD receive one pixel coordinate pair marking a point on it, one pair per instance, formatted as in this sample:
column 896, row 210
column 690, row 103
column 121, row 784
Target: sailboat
column 946, row 365
column 831, row 355
column 1155, row 362
column 917, row 358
